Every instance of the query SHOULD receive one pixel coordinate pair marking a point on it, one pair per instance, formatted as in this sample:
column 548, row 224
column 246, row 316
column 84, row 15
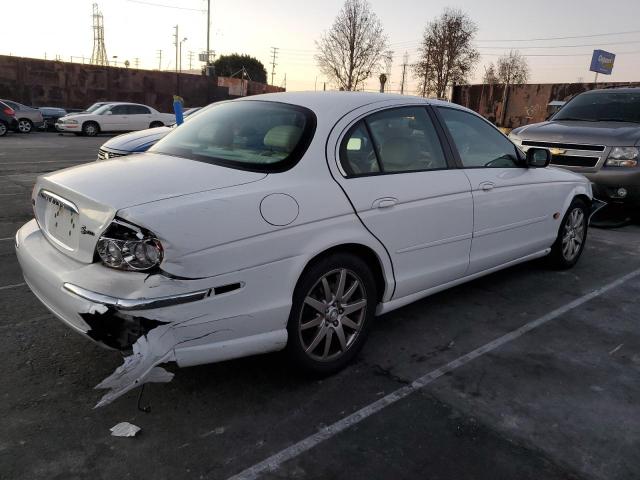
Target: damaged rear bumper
column 213, row 319
column 136, row 303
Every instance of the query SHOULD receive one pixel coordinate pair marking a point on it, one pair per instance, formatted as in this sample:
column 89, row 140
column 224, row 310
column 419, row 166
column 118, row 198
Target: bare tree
column 350, row 52
column 446, row 54
column 490, row 75
column 512, row 69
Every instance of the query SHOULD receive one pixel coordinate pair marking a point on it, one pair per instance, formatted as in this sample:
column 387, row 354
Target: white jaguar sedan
column 290, row 221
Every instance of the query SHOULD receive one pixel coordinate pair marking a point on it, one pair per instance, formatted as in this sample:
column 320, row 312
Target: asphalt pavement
column 528, row 373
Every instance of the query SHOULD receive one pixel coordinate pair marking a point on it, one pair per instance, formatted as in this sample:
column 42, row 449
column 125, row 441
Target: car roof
column 614, row 90
column 340, row 102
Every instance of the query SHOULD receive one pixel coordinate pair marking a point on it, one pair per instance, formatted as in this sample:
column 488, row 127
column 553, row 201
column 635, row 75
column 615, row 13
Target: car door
column 397, row 175
column 513, row 205
column 139, row 117
column 117, row 120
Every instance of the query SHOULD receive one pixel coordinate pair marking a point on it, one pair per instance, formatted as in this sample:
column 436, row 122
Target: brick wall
column 525, row 103
column 73, row 85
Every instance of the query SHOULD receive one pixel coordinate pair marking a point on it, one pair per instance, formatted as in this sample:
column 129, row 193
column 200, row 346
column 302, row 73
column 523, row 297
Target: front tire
column 25, row 125
column 572, row 236
column 90, row 129
column 333, row 308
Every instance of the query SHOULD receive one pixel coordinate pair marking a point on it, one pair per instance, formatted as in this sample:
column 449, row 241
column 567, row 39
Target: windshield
column 248, row 134
column 101, row 110
column 602, row 106
column 95, row 107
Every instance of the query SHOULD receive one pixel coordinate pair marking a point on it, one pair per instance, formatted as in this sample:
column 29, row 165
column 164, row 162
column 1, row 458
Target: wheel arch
column 581, row 191
column 91, row 121
column 366, row 253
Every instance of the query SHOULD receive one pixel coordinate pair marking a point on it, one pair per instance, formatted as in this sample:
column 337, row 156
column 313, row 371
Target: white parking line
column 274, row 461
column 6, row 239
column 15, row 285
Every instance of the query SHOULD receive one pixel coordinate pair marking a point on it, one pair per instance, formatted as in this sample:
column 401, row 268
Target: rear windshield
column 249, row 134
column 602, row 106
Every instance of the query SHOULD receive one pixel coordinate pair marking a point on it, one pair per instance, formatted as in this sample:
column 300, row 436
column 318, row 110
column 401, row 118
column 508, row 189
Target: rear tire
column 572, row 236
column 3, row 129
column 25, row 125
column 156, row 124
column 90, row 129
column 332, row 312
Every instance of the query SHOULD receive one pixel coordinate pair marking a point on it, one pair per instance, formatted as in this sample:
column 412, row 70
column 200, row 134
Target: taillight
column 9, row 111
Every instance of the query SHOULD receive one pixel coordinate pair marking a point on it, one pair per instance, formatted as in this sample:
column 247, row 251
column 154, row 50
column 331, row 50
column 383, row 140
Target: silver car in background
column 28, row 117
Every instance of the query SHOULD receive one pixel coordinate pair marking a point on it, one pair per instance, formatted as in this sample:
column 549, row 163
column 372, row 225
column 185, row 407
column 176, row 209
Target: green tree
column 228, row 65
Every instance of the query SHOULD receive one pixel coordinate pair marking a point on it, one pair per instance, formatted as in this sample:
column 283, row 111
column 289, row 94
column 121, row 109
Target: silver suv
column 28, row 117
column 597, row 133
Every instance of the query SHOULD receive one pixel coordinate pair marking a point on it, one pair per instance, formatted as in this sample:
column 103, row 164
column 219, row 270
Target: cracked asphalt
column 559, row 402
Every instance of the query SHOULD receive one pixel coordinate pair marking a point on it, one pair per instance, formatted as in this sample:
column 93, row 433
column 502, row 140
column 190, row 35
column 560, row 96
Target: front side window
column 602, row 107
column 477, row 142
column 120, row 110
column 393, row 141
column 249, row 134
column 138, row 110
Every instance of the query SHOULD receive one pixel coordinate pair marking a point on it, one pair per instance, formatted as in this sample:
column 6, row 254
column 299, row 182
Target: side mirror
column 108, row 112
column 538, row 157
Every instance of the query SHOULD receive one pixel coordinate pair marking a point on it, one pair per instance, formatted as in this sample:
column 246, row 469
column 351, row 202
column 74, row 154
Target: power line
column 151, row 4
column 594, row 35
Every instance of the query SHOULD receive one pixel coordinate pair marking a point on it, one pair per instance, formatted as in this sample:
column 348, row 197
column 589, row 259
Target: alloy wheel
column 573, row 235
column 24, row 126
column 332, row 315
column 3, row 129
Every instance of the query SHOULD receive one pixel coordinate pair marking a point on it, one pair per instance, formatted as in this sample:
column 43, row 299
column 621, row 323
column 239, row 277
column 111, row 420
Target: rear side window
column 249, row 134
column 357, row 153
column 393, row 141
column 477, row 142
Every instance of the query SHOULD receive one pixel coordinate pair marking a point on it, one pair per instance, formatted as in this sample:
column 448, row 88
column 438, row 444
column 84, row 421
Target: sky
column 137, row 29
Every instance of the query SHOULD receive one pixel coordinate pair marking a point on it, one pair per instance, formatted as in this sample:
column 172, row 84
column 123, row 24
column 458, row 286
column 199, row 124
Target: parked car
column 51, row 116
column 114, row 117
column 28, row 117
column 289, row 220
column 136, row 142
column 8, row 119
column 597, row 134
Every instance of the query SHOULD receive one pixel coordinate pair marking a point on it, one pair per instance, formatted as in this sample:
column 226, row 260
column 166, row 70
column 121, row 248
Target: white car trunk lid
column 75, row 205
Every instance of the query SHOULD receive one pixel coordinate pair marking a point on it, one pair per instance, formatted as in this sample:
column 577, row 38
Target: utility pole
column 405, row 62
column 284, row 83
column 177, row 44
column 181, row 42
column 208, row 32
column 136, row 62
column 159, row 59
column 191, row 54
column 274, row 54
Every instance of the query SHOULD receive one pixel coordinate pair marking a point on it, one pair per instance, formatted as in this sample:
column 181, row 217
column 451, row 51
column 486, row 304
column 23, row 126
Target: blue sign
column 602, row 62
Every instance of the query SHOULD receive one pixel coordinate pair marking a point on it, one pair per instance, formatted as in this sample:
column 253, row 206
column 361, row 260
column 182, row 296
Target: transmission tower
column 99, row 54
column 274, row 53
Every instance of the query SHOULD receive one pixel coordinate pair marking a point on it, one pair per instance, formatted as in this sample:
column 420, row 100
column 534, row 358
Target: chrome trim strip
column 49, row 196
column 136, row 303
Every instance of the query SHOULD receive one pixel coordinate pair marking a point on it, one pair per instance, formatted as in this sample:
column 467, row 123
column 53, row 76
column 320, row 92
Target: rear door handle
column 385, row 202
column 487, row 186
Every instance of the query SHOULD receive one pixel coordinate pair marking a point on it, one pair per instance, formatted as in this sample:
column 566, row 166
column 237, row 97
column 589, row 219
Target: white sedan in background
column 289, row 220
column 114, row 117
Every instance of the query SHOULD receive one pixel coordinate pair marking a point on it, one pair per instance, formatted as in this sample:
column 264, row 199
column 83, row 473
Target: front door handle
column 385, row 202
column 487, row 186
